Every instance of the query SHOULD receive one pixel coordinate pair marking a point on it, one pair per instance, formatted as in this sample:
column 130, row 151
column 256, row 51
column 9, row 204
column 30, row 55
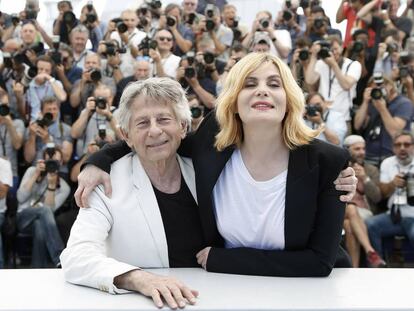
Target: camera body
column 319, row 22
column 304, row 54
column 154, row 4
column 404, row 71
column 52, row 166
column 111, row 49
column 69, row 18
column 100, row 102
column 312, row 111
column 189, row 72
column 196, row 112
column 147, row 44
column 4, row 110
column 46, row 120
column 171, row 21
column 209, row 58
column 95, row 75
column 325, row 50
column 264, row 23
column 287, row 15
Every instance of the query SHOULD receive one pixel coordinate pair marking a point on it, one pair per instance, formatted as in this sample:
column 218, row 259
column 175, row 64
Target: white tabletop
column 344, row 289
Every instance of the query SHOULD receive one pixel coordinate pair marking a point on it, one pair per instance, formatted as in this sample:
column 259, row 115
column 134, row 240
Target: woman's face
column 154, row 131
column 263, row 97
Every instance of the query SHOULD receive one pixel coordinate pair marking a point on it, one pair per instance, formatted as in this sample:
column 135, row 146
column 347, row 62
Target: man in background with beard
column 396, row 173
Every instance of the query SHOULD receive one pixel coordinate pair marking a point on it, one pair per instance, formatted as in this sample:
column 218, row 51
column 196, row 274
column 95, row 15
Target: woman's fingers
column 168, row 297
column 189, row 294
column 156, row 298
column 177, row 294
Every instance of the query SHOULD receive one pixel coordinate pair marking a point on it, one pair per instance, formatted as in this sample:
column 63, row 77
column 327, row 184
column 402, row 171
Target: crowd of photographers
column 59, row 94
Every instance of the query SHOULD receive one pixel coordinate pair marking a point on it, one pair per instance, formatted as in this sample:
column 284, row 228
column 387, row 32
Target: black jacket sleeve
column 316, row 259
column 108, row 155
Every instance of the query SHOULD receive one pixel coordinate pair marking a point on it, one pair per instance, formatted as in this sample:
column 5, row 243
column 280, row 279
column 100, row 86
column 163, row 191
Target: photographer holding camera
column 43, row 85
column 397, row 184
column 91, row 78
column 232, row 21
column 41, row 193
column 126, row 33
column 65, row 22
column 331, row 124
column 183, row 35
column 406, row 75
column 382, row 114
column 48, row 128
column 110, row 52
column 98, row 111
column 11, row 135
column 337, row 75
column 318, row 25
column 388, row 54
column 300, row 61
column 212, row 33
column 165, row 63
column 281, row 42
column 79, row 36
column 89, row 18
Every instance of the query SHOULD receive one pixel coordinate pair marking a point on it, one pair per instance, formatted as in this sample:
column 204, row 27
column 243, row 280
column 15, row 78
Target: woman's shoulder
column 326, row 154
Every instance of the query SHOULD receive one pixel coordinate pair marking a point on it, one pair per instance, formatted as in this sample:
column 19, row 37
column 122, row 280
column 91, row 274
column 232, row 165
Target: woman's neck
column 165, row 175
column 264, row 152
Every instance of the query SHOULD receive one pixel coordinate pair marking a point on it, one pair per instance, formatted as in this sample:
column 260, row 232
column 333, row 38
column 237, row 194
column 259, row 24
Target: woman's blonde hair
column 294, row 130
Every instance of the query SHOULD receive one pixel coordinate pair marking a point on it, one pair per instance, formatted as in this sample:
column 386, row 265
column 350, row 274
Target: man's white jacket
column 122, row 233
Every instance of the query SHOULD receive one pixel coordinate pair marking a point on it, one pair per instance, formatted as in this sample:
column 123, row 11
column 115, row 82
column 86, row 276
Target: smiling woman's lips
column 157, row 144
column 262, row 105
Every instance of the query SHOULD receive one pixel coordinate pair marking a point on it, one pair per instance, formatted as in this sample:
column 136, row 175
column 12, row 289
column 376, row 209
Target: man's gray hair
column 80, row 28
column 163, row 90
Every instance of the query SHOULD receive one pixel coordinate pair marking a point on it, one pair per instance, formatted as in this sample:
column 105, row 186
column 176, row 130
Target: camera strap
column 35, row 202
column 3, row 141
column 332, row 77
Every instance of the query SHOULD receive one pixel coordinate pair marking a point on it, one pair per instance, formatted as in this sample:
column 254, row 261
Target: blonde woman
column 265, row 187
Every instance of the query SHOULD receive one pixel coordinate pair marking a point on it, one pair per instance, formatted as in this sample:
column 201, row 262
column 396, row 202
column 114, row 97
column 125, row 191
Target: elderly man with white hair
column 362, row 205
column 152, row 219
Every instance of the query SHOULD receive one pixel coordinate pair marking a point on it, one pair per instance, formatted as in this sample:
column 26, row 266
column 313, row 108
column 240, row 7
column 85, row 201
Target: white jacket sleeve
column 84, row 261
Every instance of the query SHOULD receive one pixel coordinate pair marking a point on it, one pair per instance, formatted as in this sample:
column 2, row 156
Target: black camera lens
column 324, row 53
column 196, row 112
column 32, row 72
column 392, row 47
column 319, row 23
column 110, row 50
column 170, row 21
column 4, row 110
column 209, row 58
column 210, row 25
column 69, row 18
column 96, row 75
column 46, row 121
column 312, row 111
column 91, row 18
column 15, row 19
column 100, row 102
column 376, row 93
column 38, row 48
column 121, row 27
column 7, row 61
column 287, row 15
column 56, row 57
column 52, row 166
column 191, row 18
column 156, row 4
column 152, row 44
column 102, row 131
column 357, row 47
column 304, row 55
column 189, row 72
column 264, row 23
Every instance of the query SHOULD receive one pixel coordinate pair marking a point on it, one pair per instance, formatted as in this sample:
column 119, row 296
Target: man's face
column 403, row 149
column 393, row 8
column 43, row 68
column 78, row 41
column 164, row 40
column 261, row 48
column 92, row 62
column 64, row 7
column 130, row 19
column 336, row 50
column 176, row 13
column 28, row 34
column 357, row 152
column 229, row 14
column 317, row 101
column 190, row 6
column 52, row 108
column 142, row 70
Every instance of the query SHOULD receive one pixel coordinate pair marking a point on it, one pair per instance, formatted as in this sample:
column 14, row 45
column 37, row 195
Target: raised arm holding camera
column 165, row 63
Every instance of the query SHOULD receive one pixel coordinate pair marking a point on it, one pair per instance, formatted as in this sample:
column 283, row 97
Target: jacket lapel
column 149, row 206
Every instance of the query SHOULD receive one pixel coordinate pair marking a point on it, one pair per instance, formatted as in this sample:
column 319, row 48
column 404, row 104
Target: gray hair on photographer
column 163, row 90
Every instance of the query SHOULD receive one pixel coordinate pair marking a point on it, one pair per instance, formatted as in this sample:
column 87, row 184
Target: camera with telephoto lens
column 46, row 120
column 4, row 110
column 50, row 149
column 209, row 58
column 409, row 178
column 325, row 50
column 15, row 19
column 95, row 75
column 7, row 60
column 69, row 18
column 304, row 54
column 264, row 23
column 171, row 21
column 154, row 4
column 120, row 25
column 189, row 72
column 102, row 131
column 52, row 166
column 91, row 18
column 287, row 15
column 392, row 47
column 147, row 44
column 319, row 22
column 357, row 47
column 196, row 112
column 100, row 102
column 112, row 48
column 21, row 57
column 312, row 111
column 376, row 93
column 210, row 25
column 191, row 18
column 29, row 73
